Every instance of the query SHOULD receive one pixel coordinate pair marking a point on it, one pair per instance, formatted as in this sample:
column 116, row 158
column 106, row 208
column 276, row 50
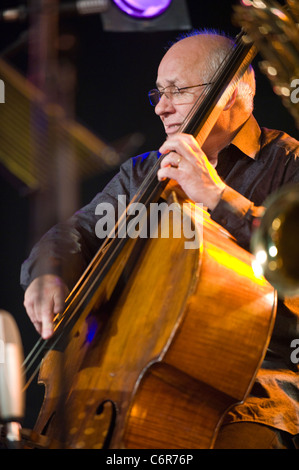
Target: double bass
column 156, row 342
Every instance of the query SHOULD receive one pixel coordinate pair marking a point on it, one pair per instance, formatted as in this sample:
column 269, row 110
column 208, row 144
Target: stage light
column 143, row 9
column 118, row 15
column 146, row 15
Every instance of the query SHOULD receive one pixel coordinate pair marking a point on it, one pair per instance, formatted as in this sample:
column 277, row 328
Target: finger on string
column 173, row 159
column 167, row 172
column 46, row 317
column 181, row 147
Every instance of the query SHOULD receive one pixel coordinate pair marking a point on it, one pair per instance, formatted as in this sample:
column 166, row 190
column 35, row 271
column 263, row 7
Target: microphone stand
column 57, row 196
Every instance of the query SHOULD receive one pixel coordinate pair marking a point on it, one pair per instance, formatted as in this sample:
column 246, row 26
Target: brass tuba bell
column 275, row 243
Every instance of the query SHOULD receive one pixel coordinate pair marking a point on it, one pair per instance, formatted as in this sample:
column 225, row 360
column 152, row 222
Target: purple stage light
column 143, row 9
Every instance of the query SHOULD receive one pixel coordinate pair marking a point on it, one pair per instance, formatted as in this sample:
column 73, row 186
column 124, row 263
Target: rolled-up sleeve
column 236, row 214
column 67, row 248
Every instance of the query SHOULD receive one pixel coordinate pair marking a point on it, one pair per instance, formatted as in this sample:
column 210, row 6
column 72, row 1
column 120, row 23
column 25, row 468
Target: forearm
column 236, row 214
column 59, row 252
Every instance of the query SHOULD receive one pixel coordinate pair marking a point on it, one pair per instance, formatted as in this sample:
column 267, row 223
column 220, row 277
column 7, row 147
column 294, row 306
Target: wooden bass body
column 172, row 339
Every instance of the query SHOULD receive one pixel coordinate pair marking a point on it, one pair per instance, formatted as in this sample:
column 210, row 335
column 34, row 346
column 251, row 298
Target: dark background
column 114, row 72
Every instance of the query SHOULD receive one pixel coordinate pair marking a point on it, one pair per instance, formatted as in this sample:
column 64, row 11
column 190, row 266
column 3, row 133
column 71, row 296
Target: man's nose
column 165, row 105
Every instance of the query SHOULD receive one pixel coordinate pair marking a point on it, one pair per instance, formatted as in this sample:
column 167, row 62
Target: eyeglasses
column 173, row 93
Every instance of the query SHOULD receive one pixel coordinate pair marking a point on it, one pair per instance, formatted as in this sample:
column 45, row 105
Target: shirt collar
column 248, row 138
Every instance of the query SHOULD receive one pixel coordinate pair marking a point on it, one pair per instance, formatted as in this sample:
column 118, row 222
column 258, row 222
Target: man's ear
column 231, row 100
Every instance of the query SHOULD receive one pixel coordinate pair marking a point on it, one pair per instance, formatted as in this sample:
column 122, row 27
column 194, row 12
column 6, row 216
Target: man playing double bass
column 238, row 166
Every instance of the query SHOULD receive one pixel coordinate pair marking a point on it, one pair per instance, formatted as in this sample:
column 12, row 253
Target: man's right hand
column 44, row 298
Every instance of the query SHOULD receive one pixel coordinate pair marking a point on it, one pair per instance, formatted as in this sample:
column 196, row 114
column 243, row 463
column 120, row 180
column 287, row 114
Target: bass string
column 32, row 356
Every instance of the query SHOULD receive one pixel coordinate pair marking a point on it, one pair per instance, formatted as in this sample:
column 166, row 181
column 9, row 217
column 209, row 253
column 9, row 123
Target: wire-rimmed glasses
column 175, row 94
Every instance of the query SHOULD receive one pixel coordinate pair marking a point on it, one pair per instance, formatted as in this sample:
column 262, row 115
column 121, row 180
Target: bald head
column 200, row 56
column 203, row 52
